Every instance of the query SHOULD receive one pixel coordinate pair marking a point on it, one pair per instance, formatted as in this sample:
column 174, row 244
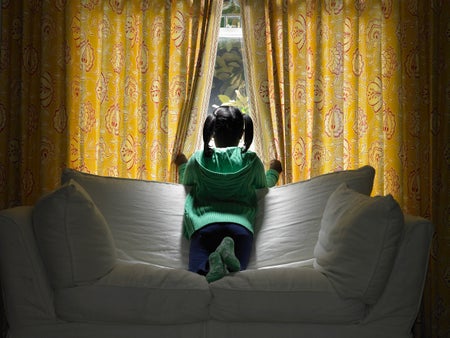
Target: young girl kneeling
column 220, row 208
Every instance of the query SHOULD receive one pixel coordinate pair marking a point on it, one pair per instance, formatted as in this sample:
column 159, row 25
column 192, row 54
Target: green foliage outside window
column 229, row 80
column 229, row 86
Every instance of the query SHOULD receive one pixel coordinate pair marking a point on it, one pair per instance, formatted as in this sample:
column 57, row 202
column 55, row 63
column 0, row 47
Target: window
column 229, row 83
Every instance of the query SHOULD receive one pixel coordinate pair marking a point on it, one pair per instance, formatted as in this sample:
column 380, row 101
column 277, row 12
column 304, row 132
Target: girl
column 220, row 208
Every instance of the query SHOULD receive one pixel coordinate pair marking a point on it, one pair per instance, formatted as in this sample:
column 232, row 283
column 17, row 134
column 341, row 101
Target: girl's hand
column 180, row 159
column 276, row 165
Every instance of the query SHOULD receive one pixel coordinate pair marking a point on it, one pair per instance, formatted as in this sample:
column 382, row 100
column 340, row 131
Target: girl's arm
column 273, row 173
column 269, row 178
column 272, row 177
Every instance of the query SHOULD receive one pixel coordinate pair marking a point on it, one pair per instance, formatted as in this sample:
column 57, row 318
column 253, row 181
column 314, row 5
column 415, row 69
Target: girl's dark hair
column 227, row 123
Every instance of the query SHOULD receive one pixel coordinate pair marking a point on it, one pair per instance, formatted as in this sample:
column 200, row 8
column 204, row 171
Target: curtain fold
column 340, row 84
column 190, row 130
column 33, row 117
column 107, row 87
column 137, row 78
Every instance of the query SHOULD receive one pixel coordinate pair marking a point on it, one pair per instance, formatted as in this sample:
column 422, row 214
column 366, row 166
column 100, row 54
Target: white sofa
column 105, row 257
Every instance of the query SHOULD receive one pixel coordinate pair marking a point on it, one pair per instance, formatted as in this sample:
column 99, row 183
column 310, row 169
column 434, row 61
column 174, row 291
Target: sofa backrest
column 288, row 217
column 146, row 217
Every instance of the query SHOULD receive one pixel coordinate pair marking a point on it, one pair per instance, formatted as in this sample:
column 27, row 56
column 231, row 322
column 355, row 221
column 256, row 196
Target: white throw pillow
column 358, row 241
column 288, row 217
column 73, row 237
column 145, row 217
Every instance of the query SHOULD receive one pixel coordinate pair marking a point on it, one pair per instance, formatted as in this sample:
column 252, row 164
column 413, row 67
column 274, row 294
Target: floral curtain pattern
column 107, row 87
column 33, row 115
column 340, row 84
column 136, row 80
column 117, row 87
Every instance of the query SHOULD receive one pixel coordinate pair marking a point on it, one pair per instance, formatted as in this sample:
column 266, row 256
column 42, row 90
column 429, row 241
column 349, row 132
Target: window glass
column 229, row 85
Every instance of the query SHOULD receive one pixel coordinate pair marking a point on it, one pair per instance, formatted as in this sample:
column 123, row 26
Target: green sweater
column 223, row 188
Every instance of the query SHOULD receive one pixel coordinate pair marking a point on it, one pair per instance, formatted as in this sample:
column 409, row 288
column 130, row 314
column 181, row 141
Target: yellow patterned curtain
column 340, row 84
column 107, row 87
column 33, row 115
column 136, row 83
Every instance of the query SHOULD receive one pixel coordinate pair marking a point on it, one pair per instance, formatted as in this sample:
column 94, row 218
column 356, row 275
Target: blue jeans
column 205, row 241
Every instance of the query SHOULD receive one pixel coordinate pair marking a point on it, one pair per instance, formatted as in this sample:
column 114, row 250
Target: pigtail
column 248, row 132
column 208, row 131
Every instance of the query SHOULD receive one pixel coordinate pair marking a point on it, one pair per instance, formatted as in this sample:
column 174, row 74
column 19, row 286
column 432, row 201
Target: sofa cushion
column 72, row 236
column 358, row 241
column 137, row 293
column 145, row 217
column 288, row 218
column 281, row 295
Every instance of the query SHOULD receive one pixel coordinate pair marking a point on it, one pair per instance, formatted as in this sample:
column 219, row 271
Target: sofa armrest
column 27, row 294
column 402, row 295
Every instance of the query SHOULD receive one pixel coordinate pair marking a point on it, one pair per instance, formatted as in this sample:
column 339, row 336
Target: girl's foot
column 217, row 269
column 226, row 251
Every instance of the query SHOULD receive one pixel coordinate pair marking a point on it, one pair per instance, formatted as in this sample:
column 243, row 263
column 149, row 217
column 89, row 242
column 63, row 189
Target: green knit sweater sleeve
column 181, row 171
column 263, row 179
column 185, row 176
column 272, row 177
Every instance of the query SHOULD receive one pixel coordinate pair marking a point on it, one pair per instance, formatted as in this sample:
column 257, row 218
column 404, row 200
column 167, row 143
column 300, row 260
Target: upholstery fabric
column 140, row 297
column 288, row 294
column 289, row 240
column 358, row 241
column 155, row 212
column 73, row 237
column 145, row 222
column 137, row 293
